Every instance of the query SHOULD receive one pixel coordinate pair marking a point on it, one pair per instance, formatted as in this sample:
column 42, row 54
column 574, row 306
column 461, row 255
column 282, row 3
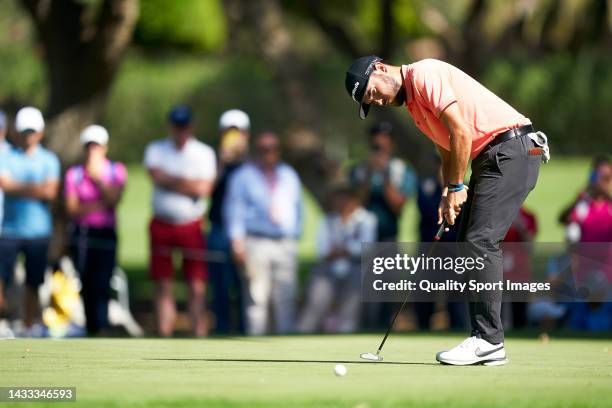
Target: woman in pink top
column 92, row 191
column 589, row 221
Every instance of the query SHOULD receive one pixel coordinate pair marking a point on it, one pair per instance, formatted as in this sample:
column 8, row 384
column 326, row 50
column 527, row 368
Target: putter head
column 371, row 357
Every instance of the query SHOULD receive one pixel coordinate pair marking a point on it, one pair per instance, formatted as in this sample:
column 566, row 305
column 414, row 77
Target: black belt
column 511, row 134
column 272, row 237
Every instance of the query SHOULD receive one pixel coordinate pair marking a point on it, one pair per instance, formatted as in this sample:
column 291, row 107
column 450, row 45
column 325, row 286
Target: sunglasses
column 27, row 132
column 375, row 147
column 268, row 149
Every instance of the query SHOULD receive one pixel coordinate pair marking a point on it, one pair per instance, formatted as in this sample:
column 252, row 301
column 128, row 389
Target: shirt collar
column 406, row 73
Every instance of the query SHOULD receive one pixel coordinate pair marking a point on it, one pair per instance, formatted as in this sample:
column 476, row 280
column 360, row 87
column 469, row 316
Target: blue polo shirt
column 27, row 217
column 5, row 150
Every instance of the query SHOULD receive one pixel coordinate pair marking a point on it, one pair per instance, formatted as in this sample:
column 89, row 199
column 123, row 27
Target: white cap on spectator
column 234, row 118
column 29, row 118
column 94, row 134
column 2, row 120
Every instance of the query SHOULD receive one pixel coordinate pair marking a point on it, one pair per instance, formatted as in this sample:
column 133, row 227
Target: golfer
column 465, row 121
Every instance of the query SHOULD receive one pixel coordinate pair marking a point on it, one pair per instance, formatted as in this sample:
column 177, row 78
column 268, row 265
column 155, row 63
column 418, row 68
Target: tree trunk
column 386, row 30
column 83, row 48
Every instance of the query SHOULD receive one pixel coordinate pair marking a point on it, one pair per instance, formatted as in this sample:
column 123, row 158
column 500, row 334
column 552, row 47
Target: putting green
column 298, row 372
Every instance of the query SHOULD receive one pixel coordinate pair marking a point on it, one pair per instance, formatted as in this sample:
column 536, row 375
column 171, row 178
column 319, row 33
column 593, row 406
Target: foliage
column 193, row 24
column 568, row 97
column 21, row 69
column 567, row 94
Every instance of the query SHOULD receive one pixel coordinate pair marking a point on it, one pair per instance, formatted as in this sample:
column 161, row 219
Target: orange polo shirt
column 433, row 85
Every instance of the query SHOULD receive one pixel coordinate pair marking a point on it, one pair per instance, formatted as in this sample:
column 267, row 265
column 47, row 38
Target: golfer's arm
column 460, row 144
column 446, row 159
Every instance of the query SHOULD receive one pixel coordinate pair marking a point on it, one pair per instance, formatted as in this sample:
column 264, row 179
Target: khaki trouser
column 327, row 292
column 270, row 279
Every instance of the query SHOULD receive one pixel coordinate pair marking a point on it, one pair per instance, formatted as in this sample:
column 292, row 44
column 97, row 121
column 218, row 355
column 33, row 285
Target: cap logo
column 355, row 90
column 369, row 69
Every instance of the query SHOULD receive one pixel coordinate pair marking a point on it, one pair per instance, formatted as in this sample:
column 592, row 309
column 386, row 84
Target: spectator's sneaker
column 5, row 331
column 36, row 330
column 474, row 350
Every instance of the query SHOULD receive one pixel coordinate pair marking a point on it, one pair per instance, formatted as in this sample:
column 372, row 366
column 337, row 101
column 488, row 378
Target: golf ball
column 340, row 370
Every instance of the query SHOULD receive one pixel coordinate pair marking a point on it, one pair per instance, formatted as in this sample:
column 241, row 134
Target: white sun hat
column 94, row 134
column 234, row 118
column 29, row 118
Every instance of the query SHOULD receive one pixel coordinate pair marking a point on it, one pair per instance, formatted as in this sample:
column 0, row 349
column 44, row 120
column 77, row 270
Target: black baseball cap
column 357, row 77
column 180, row 115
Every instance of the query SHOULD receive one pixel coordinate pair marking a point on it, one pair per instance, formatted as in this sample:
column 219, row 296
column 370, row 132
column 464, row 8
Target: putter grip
column 441, row 231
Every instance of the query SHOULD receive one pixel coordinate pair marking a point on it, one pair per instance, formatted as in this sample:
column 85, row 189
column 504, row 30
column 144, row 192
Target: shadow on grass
column 249, row 360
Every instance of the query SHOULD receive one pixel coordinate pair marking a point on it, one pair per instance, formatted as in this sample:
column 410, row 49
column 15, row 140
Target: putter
column 377, row 356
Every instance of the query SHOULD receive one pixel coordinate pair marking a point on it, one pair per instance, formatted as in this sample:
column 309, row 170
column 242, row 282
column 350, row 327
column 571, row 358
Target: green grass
column 559, row 182
column 297, row 372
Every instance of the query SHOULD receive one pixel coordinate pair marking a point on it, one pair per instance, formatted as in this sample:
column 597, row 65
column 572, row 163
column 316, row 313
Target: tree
column 263, row 22
column 83, row 44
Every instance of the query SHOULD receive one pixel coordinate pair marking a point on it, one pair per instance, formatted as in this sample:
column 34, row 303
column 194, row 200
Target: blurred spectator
column 429, row 191
column 30, row 180
column 546, row 313
column 517, row 261
column 589, row 217
column 234, row 127
column 589, row 220
column 335, row 283
column 92, row 191
column 385, row 182
column 263, row 215
column 183, row 171
column 5, row 149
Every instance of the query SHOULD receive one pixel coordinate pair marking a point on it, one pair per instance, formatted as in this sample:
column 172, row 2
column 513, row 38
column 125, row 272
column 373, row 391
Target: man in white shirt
column 183, row 171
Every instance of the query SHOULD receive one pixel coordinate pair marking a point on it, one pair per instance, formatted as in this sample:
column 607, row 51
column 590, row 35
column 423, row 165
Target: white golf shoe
column 474, row 350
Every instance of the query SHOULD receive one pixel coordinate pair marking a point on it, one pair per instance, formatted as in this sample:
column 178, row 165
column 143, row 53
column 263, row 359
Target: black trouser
column 93, row 252
column 502, row 177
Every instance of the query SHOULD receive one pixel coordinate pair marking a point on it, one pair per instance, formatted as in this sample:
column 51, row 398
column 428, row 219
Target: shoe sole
column 490, row 363
column 496, row 362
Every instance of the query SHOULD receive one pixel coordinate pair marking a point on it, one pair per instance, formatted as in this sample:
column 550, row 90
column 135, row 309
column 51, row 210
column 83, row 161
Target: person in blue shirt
column 5, row 148
column 263, row 216
column 30, row 180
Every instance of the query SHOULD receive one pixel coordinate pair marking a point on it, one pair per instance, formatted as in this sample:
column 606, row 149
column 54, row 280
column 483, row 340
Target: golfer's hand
column 450, row 206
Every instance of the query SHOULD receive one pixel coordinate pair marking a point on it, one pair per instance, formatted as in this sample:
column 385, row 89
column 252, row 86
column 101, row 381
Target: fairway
column 298, row 372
